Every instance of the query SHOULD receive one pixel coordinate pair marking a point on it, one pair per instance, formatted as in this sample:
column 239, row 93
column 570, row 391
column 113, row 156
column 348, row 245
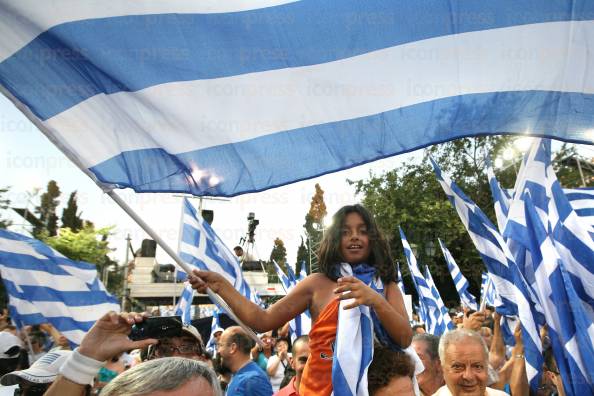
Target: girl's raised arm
column 251, row 314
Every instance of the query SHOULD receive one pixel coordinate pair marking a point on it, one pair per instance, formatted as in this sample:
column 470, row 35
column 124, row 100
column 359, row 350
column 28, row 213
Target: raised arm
column 107, row 338
column 251, row 314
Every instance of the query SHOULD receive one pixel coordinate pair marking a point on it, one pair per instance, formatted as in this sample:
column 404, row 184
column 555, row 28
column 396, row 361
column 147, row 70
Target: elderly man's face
column 465, row 369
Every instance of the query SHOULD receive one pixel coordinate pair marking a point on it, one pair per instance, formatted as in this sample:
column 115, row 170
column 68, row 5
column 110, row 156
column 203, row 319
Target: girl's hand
column 357, row 290
column 200, row 280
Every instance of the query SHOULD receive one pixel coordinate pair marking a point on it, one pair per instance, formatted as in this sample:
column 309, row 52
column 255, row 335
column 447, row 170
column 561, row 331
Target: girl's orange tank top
column 317, row 375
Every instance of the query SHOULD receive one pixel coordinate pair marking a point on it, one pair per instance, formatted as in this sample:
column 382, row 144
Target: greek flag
column 487, row 290
column 582, row 201
column 215, row 325
column 302, row 272
column 354, row 347
column 432, row 314
column 459, row 280
column 447, row 321
column 570, row 233
column 515, row 293
column 400, row 281
column 184, row 305
column 44, row 286
column 570, row 328
column 193, row 96
column 202, row 248
column 500, row 196
column 301, row 324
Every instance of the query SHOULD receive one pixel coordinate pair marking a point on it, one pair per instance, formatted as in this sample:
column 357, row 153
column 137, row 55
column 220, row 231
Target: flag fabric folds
column 44, row 286
column 202, row 248
column 400, row 281
column 301, row 324
column 569, row 326
column 432, row 314
column 459, row 280
column 571, row 234
column 487, row 290
column 447, row 321
column 124, row 93
column 184, row 304
column 515, row 293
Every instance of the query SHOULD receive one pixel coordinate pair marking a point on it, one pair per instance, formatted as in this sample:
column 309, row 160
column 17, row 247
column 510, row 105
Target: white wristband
column 80, row 368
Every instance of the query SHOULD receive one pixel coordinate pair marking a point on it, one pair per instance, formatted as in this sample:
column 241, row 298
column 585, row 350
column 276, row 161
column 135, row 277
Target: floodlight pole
column 126, row 269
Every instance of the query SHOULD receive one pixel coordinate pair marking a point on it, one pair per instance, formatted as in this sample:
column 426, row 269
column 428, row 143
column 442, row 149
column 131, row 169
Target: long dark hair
column 379, row 252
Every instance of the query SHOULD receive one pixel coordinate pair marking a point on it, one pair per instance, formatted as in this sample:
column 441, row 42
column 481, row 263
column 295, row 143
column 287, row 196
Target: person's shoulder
column 443, row 391
column 495, row 392
column 317, row 278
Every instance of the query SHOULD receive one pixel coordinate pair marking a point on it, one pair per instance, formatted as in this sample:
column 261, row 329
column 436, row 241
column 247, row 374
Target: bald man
column 249, row 379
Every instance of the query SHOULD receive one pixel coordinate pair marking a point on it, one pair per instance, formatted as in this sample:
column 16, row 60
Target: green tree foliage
column 70, row 217
column 47, row 211
column 92, row 246
column 4, row 205
column 314, row 225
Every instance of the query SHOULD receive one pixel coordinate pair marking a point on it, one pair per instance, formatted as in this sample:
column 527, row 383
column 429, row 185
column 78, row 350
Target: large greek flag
column 447, row 321
column 459, row 280
column 515, row 293
column 44, row 286
column 194, row 96
column 202, row 248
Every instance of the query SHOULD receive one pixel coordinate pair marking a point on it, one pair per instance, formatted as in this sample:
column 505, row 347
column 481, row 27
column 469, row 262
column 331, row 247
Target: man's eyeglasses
column 168, row 350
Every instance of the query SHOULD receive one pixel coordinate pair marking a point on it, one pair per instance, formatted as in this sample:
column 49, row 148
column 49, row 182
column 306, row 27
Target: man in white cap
column 35, row 380
column 10, row 351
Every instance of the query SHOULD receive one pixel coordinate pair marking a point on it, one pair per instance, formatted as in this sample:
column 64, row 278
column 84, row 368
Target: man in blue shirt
column 248, row 379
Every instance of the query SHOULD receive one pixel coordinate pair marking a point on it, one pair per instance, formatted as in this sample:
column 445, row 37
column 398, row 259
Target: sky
column 28, row 160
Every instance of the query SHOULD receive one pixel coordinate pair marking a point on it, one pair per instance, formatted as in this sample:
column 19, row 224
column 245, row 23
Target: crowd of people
column 356, row 277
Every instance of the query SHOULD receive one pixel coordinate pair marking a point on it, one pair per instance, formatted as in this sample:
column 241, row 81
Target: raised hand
column 200, row 280
column 109, row 336
column 349, row 287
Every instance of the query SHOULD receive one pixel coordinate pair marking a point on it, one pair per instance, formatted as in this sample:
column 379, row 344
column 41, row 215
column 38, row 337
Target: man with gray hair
column 465, row 362
column 431, row 379
column 175, row 375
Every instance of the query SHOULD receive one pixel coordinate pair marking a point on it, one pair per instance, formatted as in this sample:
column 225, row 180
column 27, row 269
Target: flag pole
column 212, row 295
column 109, row 191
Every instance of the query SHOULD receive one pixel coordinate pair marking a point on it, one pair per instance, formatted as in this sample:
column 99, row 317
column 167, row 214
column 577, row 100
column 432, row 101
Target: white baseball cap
column 9, row 345
column 43, row 371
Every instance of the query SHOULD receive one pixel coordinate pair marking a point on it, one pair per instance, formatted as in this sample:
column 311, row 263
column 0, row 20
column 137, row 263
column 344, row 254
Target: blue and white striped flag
column 184, row 305
column 570, row 328
column 432, row 313
column 300, row 325
column 400, row 280
column 202, row 248
column 354, row 347
column 487, row 290
column 501, row 198
column 125, row 93
column 570, row 233
column 459, row 280
column 215, row 325
column 44, row 286
column 302, row 272
column 449, row 325
column 582, row 201
column 512, row 288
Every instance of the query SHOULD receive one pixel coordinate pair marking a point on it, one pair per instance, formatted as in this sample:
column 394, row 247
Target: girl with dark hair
column 353, row 257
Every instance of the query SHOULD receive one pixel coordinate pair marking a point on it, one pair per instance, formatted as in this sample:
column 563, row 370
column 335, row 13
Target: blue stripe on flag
column 322, row 146
column 248, row 42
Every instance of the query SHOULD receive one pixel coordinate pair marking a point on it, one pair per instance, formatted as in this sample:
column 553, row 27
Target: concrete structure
column 152, row 283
